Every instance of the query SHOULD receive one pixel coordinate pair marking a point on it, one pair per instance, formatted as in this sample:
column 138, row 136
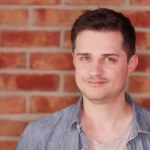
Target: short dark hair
column 106, row 19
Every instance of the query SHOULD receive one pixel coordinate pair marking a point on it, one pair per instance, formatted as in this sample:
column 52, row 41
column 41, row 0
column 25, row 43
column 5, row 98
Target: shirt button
column 78, row 126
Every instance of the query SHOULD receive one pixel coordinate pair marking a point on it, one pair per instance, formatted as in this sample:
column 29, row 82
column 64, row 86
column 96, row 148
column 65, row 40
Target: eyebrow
column 104, row 55
column 80, row 54
column 111, row 54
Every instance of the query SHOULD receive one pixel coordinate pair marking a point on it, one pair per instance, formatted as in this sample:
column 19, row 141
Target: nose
column 96, row 68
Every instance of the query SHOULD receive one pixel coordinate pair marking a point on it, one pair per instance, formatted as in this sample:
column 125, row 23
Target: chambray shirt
column 61, row 130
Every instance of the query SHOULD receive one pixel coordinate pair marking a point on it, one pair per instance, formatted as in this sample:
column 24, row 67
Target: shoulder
column 143, row 115
column 142, row 111
column 53, row 120
column 45, row 128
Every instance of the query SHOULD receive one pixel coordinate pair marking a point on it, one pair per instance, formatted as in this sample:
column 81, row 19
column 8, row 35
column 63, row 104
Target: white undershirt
column 118, row 143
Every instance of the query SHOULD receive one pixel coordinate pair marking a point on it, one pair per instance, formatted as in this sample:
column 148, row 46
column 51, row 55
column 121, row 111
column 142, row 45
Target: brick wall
column 36, row 71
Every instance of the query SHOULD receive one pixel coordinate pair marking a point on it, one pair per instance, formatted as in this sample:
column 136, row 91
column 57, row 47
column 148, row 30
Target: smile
column 96, row 83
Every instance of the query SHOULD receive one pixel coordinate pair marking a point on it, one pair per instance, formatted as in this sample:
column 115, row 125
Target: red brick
column 13, row 17
column 50, row 104
column 143, row 40
column 145, row 102
column 29, row 82
column 67, row 40
column 0, row 38
column 46, row 17
column 93, row 2
column 52, row 61
column 70, row 84
column 33, row 2
column 142, row 21
column 12, row 127
column 144, row 63
column 30, row 38
column 139, row 84
column 8, row 145
column 140, row 2
column 12, row 60
column 12, row 104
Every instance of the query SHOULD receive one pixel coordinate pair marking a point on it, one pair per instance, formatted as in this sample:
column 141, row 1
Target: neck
column 113, row 113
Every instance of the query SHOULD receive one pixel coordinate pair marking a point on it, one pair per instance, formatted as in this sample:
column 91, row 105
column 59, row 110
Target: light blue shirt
column 61, row 130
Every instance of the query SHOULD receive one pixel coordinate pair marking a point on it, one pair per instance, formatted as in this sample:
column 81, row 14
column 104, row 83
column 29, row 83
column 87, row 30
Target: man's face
column 101, row 66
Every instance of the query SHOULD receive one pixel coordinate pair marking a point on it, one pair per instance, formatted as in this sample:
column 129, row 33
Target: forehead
column 90, row 41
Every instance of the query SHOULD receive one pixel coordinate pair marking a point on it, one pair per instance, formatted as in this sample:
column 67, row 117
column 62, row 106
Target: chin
column 97, row 100
column 95, row 97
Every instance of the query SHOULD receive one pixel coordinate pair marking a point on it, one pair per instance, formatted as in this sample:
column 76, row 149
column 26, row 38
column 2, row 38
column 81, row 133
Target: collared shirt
column 61, row 130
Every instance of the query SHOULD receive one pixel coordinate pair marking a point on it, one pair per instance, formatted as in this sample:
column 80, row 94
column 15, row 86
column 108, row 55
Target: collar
column 74, row 116
column 141, row 116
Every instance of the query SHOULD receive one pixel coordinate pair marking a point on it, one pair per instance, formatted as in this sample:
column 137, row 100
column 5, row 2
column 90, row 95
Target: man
column 105, row 117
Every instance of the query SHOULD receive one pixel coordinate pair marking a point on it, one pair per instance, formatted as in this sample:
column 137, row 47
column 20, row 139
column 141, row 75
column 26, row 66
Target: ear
column 132, row 64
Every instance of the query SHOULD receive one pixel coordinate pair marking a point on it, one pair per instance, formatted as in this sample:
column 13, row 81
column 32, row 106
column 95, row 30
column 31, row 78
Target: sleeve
column 26, row 141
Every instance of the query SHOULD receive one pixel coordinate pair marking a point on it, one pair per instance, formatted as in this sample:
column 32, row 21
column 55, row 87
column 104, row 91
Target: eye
column 110, row 59
column 85, row 58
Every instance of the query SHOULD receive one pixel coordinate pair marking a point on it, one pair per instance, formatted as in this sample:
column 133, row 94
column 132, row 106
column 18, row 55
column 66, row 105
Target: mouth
column 96, row 83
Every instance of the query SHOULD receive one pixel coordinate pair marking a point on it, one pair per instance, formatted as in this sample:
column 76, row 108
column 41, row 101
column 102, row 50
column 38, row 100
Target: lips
column 97, row 83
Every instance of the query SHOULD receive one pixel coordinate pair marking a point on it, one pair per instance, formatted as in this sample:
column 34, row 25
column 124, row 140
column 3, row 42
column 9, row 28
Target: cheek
column 79, row 72
column 81, row 69
column 120, row 74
